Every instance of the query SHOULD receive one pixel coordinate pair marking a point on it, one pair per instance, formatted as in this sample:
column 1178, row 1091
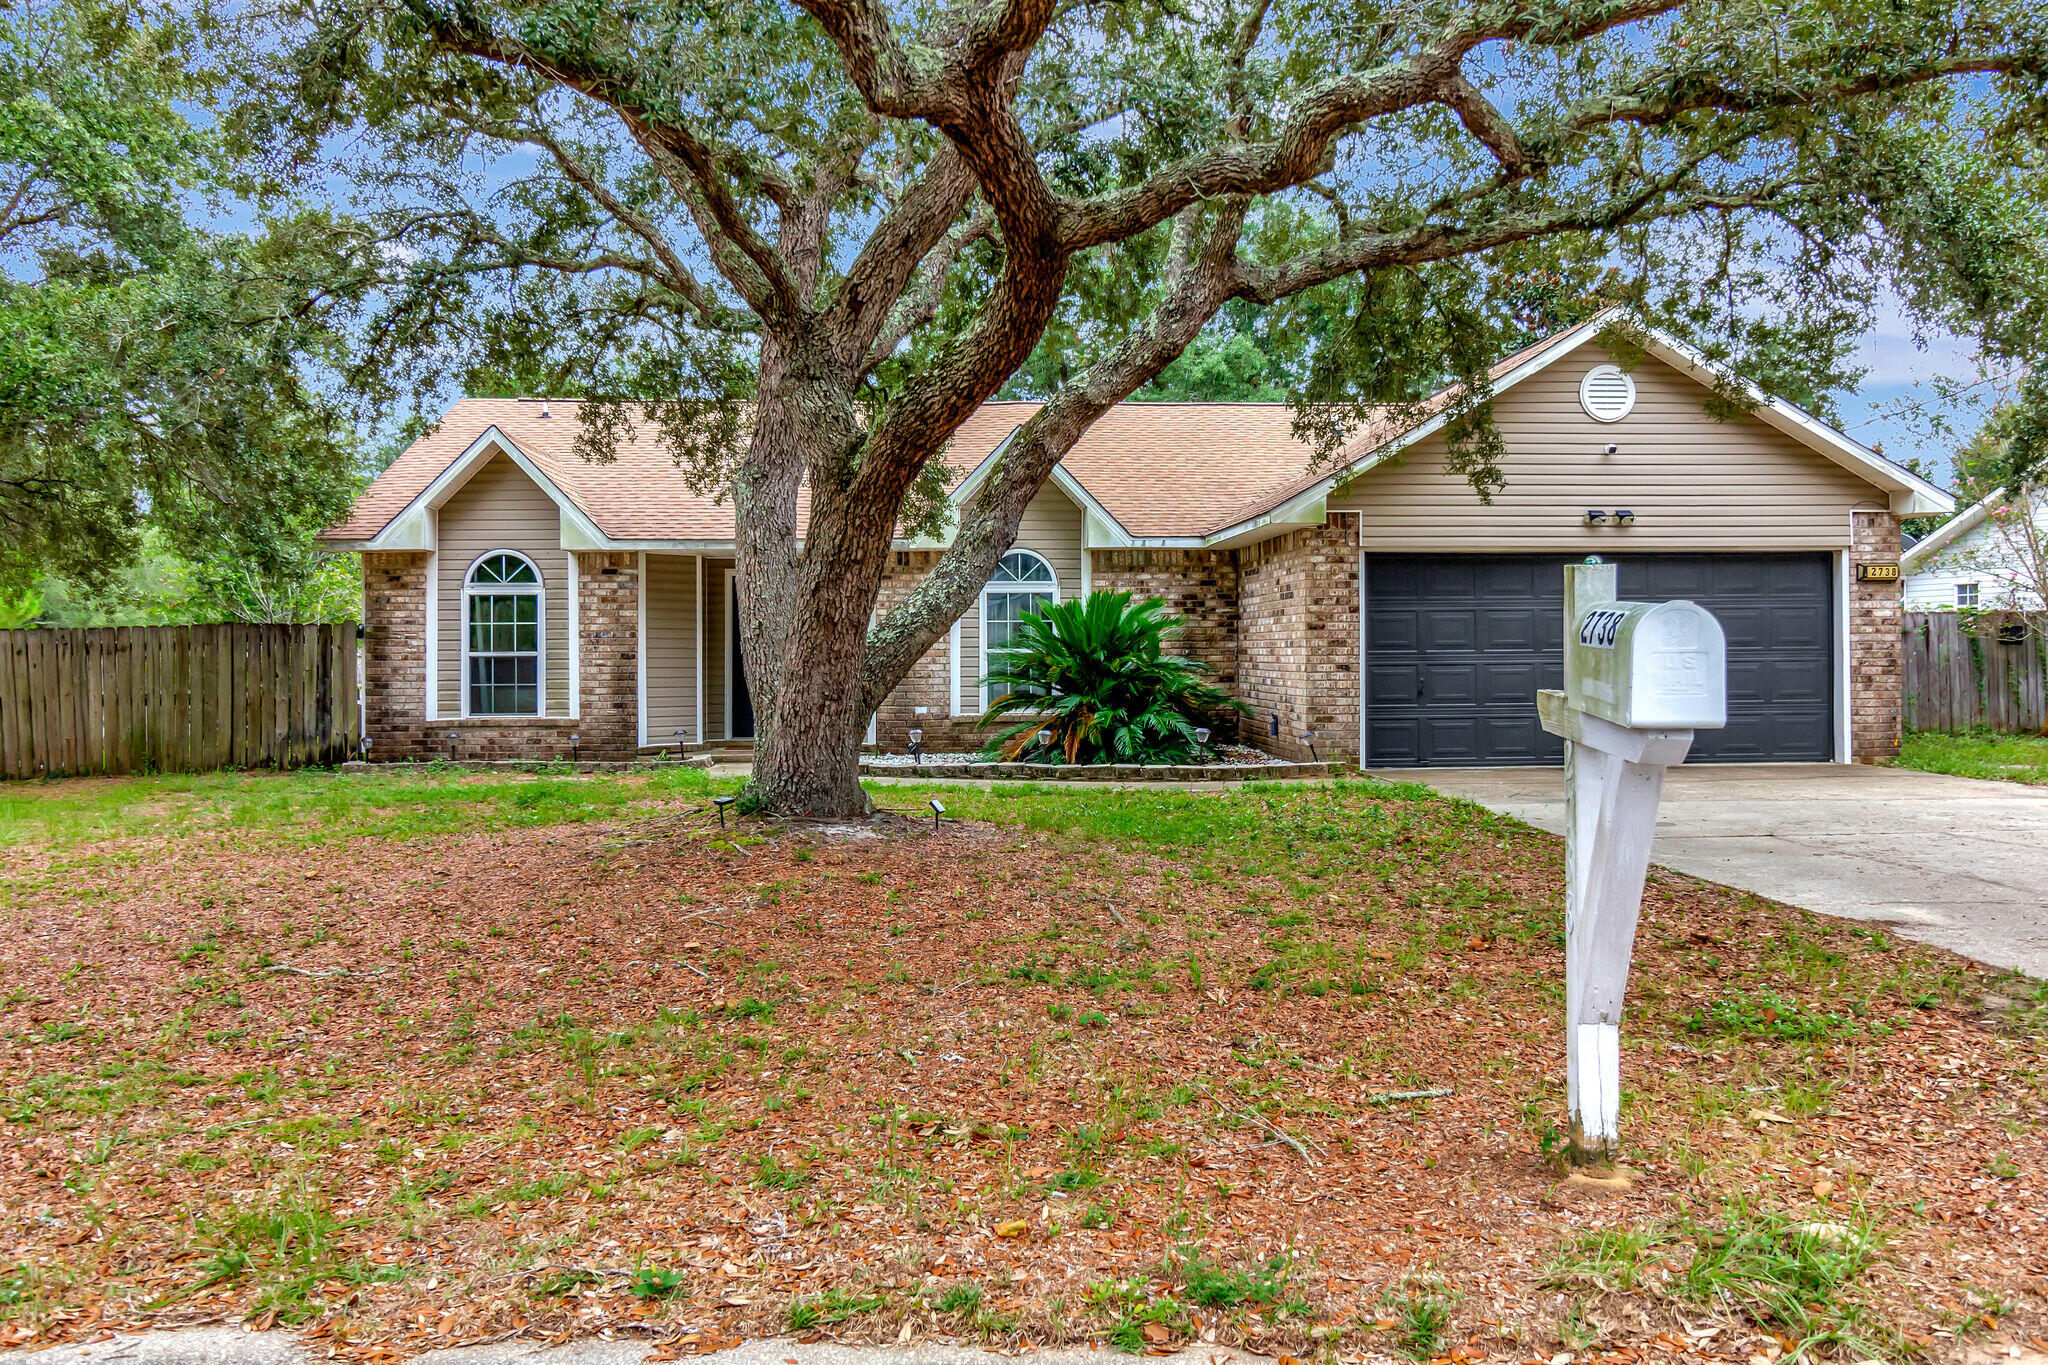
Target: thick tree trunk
column 805, row 606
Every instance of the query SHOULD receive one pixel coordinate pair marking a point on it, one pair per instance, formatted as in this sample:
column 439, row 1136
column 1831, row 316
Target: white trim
column 725, row 591
column 1364, row 755
column 575, row 636
column 981, row 617
column 640, row 650
column 1911, row 495
column 953, row 662
column 540, row 630
column 1087, row 569
column 433, row 697
column 697, row 591
column 1918, row 558
column 1845, row 751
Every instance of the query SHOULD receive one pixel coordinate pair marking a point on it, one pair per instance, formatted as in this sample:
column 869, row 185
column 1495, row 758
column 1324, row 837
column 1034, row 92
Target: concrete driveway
column 1951, row 861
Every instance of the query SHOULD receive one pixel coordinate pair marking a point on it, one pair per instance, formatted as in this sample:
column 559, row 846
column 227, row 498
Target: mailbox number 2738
column 1598, row 629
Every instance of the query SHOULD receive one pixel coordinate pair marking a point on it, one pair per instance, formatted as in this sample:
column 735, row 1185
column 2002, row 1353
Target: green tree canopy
column 807, row 238
column 154, row 373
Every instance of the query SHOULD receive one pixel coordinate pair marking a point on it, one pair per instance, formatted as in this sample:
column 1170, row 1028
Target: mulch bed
column 406, row 1094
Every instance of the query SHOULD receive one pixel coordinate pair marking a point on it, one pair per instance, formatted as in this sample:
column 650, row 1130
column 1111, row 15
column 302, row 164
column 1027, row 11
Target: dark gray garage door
column 1457, row 645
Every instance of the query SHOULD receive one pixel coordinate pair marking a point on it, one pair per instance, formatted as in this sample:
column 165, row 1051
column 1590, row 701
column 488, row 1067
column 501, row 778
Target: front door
column 739, row 701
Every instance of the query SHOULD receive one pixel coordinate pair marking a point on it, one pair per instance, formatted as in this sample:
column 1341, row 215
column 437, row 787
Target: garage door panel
column 1459, row 645
column 1392, row 683
column 1448, row 629
column 1510, row 629
column 1451, row 684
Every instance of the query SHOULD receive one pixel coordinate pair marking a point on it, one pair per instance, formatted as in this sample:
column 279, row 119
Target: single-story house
column 522, row 602
column 1974, row 560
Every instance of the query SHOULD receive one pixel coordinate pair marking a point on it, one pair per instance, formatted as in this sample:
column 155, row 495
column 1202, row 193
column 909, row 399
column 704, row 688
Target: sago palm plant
column 1090, row 681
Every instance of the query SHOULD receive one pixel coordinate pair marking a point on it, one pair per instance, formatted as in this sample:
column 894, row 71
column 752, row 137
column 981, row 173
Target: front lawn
column 407, row 1061
column 1981, row 753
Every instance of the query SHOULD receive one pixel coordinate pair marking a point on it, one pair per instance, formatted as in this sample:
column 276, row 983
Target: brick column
column 1876, row 621
column 1200, row 586
column 608, row 646
column 929, row 683
column 395, row 653
column 1298, row 641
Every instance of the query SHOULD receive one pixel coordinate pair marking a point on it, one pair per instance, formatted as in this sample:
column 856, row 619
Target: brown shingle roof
column 1161, row 469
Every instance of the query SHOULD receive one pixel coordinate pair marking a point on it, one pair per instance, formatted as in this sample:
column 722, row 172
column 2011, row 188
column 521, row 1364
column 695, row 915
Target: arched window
column 501, row 605
column 1023, row 582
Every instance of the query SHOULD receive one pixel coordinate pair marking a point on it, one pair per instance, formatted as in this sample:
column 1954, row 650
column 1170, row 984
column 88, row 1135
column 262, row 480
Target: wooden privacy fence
column 1975, row 669
column 130, row 699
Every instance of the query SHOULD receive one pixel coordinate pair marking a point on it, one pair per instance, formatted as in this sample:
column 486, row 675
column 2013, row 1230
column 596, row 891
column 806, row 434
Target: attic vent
column 1607, row 394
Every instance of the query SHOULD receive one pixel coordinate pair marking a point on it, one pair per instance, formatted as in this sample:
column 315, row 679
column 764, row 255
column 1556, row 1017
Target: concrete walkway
column 1951, row 861
column 233, row 1346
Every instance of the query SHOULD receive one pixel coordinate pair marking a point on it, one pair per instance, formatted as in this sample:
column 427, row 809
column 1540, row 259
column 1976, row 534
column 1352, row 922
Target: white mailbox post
column 1639, row 678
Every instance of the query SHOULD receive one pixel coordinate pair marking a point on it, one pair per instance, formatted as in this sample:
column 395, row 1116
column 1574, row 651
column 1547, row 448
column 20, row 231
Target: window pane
column 1000, row 614
column 502, row 686
column 503, row 569
column 1017, row 567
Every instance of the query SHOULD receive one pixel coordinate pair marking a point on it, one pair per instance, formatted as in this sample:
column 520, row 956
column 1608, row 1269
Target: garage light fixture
column 1595, row 517
column 1624, row 517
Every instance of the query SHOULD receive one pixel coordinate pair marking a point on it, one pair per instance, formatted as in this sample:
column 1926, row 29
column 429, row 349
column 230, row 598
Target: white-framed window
column 1966, row 595
column 503, row 636
column 1023, row 582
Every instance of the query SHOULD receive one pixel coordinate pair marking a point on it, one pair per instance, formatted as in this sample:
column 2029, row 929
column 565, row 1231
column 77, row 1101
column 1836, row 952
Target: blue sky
column 1904, row 374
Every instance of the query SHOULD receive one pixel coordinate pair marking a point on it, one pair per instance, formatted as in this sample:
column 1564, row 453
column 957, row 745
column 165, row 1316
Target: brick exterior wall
column 608, row 618
column 1298, row 641
column 1877, row 620
column 1199, row 585
column 930, row 681
column 394, row 652
column 395, row 672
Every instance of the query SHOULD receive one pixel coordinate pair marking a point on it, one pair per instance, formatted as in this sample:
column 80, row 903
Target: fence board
column 175, row 698
column 1966, row 671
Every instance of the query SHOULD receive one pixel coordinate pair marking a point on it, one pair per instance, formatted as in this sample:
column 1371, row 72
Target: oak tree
column 806, row 238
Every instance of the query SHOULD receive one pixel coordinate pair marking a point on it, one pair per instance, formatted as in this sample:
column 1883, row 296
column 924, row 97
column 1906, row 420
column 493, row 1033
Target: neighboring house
column 1978, row 559
column 522, row 602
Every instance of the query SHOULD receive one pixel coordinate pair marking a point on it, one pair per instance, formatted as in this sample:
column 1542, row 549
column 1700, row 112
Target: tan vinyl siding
column 1053, row 527
column 1692, row 482
column 717, row 613
column 671, row 665
column 501, row 509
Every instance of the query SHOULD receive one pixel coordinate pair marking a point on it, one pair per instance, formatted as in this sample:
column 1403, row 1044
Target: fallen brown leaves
column 402, row 1094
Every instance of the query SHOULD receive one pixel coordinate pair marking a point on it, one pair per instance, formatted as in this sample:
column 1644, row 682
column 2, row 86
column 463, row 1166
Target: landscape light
column 937, row 811
column 1201, row 735
column 917, row 749
column 1310, row 740
column 722, row 802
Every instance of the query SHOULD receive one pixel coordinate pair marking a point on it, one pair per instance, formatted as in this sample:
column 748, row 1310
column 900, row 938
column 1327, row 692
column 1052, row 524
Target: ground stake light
column 722, row 802
column 917, row 750
column 938, row 812
column 1639, row 678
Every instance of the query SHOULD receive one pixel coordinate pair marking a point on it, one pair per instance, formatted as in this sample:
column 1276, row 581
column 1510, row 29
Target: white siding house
column 1972, row 561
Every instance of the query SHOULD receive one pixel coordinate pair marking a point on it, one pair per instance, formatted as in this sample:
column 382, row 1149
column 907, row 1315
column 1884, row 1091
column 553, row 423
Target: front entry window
column 1022, row 583
column 501, row 604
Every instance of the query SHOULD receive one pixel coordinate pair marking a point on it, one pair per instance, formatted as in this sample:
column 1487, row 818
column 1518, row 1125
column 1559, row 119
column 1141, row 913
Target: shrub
column 1090, row 681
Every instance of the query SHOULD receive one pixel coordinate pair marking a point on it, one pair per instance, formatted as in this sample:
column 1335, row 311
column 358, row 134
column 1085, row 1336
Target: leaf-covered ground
column 401, row 1062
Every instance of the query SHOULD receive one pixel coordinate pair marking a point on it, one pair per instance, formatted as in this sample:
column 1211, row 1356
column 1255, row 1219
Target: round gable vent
column 1607, row 394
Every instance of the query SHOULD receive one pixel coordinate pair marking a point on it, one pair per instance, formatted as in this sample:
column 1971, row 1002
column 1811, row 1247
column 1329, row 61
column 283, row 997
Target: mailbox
column 1647, row 665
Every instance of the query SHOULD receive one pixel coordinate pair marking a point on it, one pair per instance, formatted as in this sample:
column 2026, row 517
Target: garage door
column 1457, row 645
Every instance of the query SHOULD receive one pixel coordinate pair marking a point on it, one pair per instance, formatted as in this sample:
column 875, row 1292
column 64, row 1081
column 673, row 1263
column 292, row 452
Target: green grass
column 1981, row 753
column 1799, row 1278
column 313, row 806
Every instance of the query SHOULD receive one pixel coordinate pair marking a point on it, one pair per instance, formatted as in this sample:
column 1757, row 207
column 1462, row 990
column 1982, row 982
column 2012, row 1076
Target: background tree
column 154, row 373
column 806, row 238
